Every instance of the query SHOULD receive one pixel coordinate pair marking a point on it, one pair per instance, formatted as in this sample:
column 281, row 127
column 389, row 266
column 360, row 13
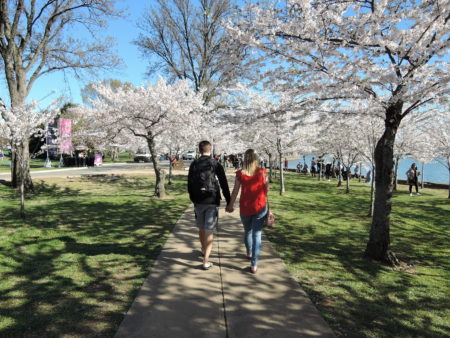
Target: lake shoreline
column 431, row 185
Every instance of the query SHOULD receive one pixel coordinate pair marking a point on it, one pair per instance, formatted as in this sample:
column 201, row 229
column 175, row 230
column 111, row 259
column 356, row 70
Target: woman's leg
column 416, row 183
column 257, row 225
column 410, row 188
column 247, row 222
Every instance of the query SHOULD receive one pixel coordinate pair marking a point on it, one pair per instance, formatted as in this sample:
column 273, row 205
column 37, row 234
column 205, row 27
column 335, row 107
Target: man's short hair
column 204, row 147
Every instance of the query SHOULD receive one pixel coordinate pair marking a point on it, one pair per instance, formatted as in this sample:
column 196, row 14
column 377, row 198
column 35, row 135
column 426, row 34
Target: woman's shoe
column 207, row 266
column 253, row 269
column 249, row 257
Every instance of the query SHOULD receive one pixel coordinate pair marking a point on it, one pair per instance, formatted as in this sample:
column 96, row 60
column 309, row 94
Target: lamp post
column 48, row 163
column 61, row 161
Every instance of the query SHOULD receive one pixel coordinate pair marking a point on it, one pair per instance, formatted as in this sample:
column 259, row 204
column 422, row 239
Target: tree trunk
column 280, row 154
column 449, row 181
column 282, row 189
column 378, row 247
column 396, row 159
column 160, row 190
column 22, row 199
column 270, row 169
column 347, row 185
column 320, row 167
column 422, row 174
column 372, row 192
column 21, row 167
column 360, row 172
column 339, row 174
column 170, row 167
column 22, row 157
column 16, row 80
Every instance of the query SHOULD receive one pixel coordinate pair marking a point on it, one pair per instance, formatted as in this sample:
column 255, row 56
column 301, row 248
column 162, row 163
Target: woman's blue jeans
column 252, row 237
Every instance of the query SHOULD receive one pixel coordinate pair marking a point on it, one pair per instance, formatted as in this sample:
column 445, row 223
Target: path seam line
column 221, row 283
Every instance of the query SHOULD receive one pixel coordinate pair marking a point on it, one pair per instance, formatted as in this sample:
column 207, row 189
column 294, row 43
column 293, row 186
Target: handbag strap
column 267, row 192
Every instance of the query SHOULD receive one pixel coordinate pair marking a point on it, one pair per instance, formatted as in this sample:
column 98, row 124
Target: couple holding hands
column 204, row 191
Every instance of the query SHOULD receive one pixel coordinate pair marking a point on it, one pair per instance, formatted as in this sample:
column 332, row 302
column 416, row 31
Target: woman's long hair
column 251, row 162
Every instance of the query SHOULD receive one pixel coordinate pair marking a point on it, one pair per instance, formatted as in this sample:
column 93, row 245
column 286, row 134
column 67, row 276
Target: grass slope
column 74, row 265
column 321, row 235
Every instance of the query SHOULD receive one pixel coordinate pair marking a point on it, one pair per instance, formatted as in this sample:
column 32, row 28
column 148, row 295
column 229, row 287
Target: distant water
column 433, row 172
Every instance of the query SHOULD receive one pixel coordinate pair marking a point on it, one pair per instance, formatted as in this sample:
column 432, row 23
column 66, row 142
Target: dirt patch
column 167, row 197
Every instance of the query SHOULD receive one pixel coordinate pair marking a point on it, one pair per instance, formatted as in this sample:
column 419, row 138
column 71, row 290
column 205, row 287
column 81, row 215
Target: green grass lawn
column 74, row 265
column 38, row 163
column 123, row 157
column 321, row 235
column 35, row 164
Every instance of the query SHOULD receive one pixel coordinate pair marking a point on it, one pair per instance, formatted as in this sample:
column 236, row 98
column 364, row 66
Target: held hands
column 229, row 208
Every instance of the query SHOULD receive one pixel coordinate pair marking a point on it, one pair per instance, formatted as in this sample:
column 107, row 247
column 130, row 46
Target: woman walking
column 252, row 204
column 412, row 175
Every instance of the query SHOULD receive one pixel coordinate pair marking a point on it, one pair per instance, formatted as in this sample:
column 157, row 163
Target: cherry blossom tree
column 272, row 115
column 390, row 54
column 17, row 124
column 437, row 134
column 424, row 154
column 343, row 145
column 90, row 132
column 405, row 143
column 182, row 133
column 147, row 112
column 260, row 137
column 369, row 130
column 36, row 40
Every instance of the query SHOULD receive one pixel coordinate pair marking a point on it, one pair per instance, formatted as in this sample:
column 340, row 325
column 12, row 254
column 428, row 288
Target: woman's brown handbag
column 270, row 219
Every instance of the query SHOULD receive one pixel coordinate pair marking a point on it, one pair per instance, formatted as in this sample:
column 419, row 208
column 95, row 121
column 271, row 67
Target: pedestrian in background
column 413, row 178
column 313, row 167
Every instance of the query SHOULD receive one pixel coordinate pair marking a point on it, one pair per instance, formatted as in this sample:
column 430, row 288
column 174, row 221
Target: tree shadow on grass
column 5, row 183
column 365, row 298
column 78, row 272
column 41, row 188
column 139, row 183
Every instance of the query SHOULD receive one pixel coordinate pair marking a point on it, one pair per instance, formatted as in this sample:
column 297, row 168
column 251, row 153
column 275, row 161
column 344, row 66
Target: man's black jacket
column 215, row 198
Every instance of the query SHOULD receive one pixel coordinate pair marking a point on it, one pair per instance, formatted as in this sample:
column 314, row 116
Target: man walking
column 204, row 192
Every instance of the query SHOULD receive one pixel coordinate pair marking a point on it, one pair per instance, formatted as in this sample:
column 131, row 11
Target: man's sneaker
column 417, row 193
column 410, row 194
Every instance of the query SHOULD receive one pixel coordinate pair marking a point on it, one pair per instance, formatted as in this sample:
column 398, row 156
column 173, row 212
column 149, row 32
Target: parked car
column 188, row 155
column 142, row 157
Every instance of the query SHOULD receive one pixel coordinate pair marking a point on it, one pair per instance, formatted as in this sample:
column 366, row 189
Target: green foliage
column 74, row 265
column 321, row 235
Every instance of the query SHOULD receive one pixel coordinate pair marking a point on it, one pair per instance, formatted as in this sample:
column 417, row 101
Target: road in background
column 105, row 169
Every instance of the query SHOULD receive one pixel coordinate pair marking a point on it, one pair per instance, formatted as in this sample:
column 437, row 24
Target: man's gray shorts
column 206, row 216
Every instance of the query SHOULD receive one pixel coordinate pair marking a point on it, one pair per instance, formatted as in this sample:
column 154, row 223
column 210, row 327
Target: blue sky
column 124, row 31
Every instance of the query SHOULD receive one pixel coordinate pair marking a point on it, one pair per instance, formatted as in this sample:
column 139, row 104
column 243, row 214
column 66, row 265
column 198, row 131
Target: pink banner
column 65, row 134
column 98, row 160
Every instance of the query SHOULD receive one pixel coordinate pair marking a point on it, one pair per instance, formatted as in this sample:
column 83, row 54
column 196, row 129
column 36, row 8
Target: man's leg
column 207, row 243
column 200, row 237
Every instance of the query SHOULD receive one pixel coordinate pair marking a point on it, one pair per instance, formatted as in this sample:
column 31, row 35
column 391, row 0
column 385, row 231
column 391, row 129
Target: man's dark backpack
column 204, row 182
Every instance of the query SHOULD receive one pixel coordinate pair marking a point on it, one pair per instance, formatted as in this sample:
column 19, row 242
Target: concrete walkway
column 179, row 299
